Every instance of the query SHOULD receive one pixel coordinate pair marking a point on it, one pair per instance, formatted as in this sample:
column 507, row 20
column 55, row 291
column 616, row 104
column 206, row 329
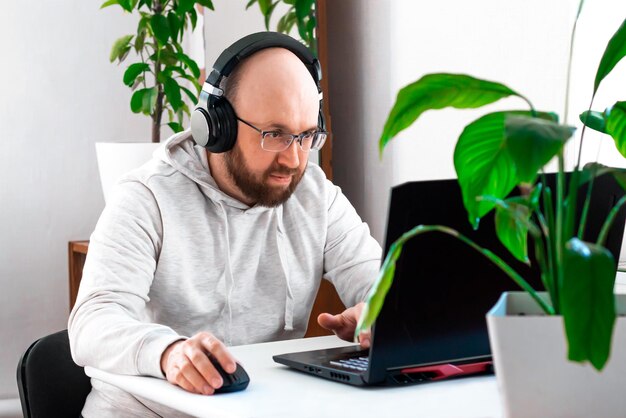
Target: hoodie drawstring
column 229, row 283
column 289, row 302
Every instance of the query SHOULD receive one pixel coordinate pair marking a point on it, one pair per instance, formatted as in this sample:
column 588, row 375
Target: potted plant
column 161, row 75
column 575, row 318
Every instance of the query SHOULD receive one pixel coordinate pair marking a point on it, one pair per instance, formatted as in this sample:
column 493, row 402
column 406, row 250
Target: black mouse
column 232, row 382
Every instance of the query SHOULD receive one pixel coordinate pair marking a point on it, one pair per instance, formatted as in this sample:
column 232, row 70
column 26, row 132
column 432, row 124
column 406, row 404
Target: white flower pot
column 118, row 158
column 535, row 378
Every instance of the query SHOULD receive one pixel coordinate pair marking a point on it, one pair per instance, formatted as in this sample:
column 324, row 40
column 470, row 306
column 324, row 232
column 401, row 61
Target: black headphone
column 213, row 121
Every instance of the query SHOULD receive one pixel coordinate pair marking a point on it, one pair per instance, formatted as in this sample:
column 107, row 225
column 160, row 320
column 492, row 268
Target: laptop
column 432, row 325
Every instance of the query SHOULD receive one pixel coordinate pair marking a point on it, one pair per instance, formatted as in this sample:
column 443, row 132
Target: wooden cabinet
column 327, row 299
column 77, row 253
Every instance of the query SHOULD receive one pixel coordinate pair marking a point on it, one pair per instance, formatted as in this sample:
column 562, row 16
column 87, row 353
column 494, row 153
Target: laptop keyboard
column 358, row 363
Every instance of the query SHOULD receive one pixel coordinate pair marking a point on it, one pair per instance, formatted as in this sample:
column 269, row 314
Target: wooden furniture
column 322, row 48
column 327, row 299
column 77, row 253
column 277, row 391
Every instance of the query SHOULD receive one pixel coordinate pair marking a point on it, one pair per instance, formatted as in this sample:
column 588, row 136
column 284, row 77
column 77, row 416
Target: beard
column 257, row 189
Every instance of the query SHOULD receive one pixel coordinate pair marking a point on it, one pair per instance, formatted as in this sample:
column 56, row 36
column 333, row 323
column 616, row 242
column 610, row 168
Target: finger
column 365, row 339
column 329, row 322
column 199, row 383
column 218, row 350
column 203, row 366
column 189, row 387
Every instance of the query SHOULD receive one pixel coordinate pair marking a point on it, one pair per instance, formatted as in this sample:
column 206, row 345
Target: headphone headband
column 255, row 42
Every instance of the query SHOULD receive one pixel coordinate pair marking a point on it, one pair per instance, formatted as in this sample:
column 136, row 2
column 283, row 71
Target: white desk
column 277, row 391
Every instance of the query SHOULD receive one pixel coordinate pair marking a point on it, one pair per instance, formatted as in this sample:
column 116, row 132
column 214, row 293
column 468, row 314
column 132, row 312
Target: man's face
column 269, row 187
column 276, row 93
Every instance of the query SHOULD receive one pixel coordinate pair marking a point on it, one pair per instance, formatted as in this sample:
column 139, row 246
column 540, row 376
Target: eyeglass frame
column 299, row 138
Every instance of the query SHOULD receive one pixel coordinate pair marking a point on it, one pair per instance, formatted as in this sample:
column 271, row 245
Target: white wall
column 59, row 96
column 379, row 46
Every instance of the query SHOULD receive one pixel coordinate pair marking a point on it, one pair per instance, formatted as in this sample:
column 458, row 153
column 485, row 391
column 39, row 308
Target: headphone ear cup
column 200, row 126
column 222, row 126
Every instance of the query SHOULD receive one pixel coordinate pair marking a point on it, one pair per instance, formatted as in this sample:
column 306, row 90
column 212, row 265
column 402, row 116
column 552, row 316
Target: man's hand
column 186, row 363
column 344, row 324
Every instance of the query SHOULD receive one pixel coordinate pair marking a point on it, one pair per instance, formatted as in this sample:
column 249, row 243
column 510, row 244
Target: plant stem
column 158, row 109
column 569, row 62
column 609, row 221
column 559, row 242
column 583, row 218
column 420, row 229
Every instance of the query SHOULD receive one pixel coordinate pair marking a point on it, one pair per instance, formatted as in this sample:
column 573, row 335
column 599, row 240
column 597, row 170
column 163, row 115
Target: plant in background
column 300, row 13
column 503, row 150
column 158, row 78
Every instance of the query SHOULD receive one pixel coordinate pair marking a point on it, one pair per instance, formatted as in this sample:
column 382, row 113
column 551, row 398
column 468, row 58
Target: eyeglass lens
column 276, row 141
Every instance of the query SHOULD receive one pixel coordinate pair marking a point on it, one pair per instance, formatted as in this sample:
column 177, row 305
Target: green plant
column 300, row 13
column 162, row 64
column 503, row 150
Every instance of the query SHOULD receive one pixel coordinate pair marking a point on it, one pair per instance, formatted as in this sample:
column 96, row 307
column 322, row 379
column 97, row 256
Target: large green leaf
column 533, row 142
column 616, row 125
column 594, row 120
column 588, row 302
column 133, row 71
column 172, row 91
column 160, row 28
column 592, row 170
column 120, row 47
column 483, row 164
column 613, row 53
column 438, row 91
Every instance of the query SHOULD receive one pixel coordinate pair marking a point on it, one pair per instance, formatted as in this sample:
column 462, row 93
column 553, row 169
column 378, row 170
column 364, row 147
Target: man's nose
column 290, row 157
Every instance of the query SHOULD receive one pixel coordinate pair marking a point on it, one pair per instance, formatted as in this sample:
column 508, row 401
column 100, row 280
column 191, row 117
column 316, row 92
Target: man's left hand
column 344, row 324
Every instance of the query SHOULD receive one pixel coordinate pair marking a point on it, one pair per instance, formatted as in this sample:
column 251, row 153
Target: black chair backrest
column 49, row 382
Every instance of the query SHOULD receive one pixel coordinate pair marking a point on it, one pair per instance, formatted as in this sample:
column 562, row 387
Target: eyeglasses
column 277, row 141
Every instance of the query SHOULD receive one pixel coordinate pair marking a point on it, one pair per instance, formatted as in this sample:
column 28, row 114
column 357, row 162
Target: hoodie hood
column 185, row 156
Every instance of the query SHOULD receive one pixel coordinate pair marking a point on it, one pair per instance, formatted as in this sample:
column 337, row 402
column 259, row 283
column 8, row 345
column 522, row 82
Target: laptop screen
column 435, row 309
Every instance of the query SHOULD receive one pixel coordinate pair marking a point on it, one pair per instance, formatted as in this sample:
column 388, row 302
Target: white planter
column 118, row 158
column 535, row 378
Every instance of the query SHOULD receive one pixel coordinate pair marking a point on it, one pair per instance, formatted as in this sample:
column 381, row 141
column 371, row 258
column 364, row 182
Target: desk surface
column 277, row 391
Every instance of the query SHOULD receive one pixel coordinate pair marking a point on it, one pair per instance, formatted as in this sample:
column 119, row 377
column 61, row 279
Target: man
column 198, row 251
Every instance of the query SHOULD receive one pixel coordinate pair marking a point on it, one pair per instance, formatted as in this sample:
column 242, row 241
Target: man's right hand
column 186, row 363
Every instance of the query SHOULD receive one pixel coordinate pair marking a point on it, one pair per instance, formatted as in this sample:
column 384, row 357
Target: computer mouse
column 232, row 382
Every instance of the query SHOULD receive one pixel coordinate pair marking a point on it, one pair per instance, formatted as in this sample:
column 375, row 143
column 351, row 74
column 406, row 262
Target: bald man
column 198, row 251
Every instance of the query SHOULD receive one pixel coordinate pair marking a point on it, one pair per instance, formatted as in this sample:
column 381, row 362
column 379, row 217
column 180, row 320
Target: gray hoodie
column 173, row 255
